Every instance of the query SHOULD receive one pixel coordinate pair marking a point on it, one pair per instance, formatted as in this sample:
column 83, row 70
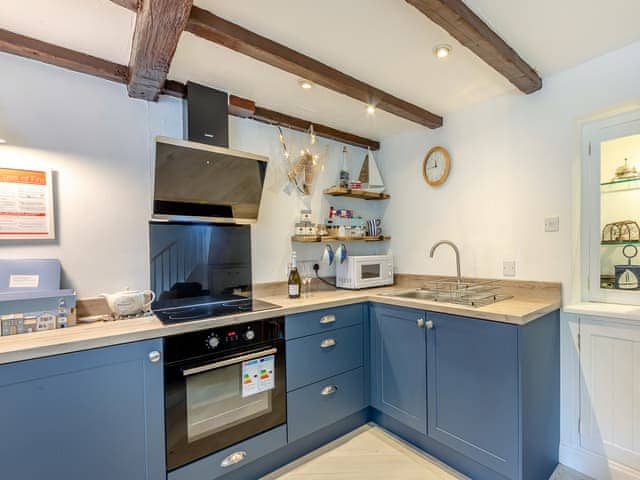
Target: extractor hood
column 203, row 180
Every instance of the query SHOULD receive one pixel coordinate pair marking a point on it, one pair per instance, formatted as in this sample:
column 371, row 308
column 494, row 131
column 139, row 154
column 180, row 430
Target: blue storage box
column 29, row 275
column 32, row 311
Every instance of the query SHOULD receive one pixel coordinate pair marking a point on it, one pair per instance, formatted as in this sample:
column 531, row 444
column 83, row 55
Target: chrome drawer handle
column 328, row 342
column 327, row 319
column 329, row 390
column 154, row 356
column 420, row 322
column 235, row 457
column 429, row 324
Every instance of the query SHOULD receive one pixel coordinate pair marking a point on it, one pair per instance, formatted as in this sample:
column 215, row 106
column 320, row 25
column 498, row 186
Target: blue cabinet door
column 96, row 414
column 473, row 389
column 398, row 365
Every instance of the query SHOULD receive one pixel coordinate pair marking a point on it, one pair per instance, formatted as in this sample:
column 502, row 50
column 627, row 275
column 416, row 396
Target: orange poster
column 26, row 204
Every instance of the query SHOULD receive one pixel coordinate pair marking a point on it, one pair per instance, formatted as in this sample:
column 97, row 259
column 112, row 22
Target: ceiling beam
column 62, row 57
column 159, row 24
column 472, row 32
column 245, row 108
column 215, row 29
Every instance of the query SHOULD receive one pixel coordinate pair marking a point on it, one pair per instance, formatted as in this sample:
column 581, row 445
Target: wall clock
column 436, row 166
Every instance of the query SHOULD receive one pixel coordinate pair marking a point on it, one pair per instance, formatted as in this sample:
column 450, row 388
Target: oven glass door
column 210, row 406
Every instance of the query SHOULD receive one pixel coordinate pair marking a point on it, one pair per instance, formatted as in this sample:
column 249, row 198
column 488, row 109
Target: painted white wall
column 99, row 142
column 514, row 163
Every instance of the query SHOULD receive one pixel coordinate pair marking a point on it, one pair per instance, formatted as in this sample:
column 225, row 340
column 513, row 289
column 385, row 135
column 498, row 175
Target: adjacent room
column 302, row 240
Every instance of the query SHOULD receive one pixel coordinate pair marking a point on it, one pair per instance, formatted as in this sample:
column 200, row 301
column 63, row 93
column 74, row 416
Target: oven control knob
column 249, row 335
column 213, row 341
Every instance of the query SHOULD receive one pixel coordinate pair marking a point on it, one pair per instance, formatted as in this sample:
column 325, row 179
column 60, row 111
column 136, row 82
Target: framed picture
column 26, row 204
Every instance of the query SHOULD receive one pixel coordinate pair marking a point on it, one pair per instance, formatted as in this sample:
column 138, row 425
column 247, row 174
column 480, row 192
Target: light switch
column 509, row 268
column 552, row 224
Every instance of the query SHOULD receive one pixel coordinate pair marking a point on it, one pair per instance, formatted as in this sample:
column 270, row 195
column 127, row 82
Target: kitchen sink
column 471, row 293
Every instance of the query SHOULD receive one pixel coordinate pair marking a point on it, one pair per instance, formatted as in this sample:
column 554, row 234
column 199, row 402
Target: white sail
column 375, row 183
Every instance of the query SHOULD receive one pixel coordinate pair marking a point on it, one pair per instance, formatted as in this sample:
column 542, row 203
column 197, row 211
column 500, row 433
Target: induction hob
column 212, row 309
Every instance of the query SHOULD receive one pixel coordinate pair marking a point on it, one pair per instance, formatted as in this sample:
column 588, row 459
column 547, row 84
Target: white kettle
column 129, row 302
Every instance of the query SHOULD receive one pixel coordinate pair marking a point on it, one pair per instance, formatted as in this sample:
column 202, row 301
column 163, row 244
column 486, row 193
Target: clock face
column 436, row 165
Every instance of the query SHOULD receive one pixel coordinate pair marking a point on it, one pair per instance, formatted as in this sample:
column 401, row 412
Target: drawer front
column 232, row 458
column 323, row 403
column 308, row 323
column 310, row 359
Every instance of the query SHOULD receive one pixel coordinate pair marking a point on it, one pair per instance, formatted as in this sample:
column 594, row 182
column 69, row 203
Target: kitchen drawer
column 312, row 358
column 209, row 468
column 324, row 403
column 308, row 323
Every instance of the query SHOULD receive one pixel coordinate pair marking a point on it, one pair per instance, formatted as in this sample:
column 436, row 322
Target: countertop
column 530, row 300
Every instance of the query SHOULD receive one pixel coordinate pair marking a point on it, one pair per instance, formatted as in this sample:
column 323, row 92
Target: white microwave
column 365, row 271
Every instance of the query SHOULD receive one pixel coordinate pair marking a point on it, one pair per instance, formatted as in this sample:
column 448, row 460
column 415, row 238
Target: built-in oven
column 222, row 386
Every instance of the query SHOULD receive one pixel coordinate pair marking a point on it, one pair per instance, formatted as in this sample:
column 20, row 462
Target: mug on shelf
column 374, row 227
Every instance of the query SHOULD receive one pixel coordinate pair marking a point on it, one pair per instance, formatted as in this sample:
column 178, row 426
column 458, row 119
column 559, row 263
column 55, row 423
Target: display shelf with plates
column 332, row 238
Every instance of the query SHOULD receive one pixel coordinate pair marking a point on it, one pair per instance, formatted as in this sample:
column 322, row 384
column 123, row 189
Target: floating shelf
column 620, row 185
column 347, row 192
column 623, row 242
column 330, row 238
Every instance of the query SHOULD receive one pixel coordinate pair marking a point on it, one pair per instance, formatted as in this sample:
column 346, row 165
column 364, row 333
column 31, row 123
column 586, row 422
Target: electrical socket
column 552, row 224
column 509, row 268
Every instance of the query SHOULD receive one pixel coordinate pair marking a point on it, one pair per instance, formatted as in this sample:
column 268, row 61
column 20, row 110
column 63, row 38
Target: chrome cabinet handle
column 327, row 319
column 235, row 457
column 328, row 342
column 329, row 390
column 429, row 325
column 420, row 322
column 154, row 356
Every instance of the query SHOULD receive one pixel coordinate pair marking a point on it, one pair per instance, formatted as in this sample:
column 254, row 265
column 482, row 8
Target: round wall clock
column 436, row 166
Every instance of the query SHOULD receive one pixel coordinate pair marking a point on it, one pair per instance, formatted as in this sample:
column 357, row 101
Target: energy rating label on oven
column 258, row 375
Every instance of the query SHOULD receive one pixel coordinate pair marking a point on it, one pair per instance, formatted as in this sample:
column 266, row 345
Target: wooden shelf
column 347, row 192
column 330, row 238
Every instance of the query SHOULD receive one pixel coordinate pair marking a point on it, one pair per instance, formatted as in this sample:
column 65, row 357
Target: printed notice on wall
column 26, row 204
column 258, row 375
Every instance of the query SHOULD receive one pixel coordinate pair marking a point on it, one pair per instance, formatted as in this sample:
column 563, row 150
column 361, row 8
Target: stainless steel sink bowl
column 472, row 293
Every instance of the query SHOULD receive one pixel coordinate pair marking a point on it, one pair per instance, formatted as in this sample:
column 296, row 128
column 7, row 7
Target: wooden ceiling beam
column 472, row 32
column 159, row 24
column 215, row 29
column 245, row 108
column 28, row 47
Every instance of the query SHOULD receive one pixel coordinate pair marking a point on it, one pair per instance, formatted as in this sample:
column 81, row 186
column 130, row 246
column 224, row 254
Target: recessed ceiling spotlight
column 305, row 84
column 371, row 109
column 442, row 51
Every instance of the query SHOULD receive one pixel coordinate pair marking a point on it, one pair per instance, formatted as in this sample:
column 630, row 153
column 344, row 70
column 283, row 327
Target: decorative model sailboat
column 370, row 175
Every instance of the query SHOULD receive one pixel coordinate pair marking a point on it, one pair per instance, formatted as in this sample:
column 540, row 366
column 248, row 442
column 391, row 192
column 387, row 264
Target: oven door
column 209, row 407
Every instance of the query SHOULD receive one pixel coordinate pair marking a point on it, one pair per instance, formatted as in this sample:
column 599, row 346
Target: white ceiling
column 386, row 43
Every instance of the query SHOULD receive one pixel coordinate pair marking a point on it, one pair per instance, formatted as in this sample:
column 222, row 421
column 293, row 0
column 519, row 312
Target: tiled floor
column 371, row 453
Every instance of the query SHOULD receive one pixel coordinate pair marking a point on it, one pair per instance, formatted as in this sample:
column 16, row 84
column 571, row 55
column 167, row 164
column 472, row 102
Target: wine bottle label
column 294, row 290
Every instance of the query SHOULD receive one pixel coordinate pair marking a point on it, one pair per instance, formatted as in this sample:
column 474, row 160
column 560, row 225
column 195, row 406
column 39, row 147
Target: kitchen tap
column 455, row 249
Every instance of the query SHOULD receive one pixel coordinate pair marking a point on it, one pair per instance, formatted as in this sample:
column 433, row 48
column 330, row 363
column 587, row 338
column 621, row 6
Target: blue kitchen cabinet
column 472, row 371
column 96, row 414
column 398, row 364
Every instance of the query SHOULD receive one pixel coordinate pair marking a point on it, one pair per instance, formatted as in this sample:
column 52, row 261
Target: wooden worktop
column 530, row 300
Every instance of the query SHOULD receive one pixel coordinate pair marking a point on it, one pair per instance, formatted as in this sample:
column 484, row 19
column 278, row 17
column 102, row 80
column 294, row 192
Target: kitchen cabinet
column 398, row 364
column 472, row 371
column 94, row 414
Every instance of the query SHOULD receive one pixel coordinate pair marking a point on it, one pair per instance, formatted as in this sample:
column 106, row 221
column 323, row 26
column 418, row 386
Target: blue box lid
column 29, row 275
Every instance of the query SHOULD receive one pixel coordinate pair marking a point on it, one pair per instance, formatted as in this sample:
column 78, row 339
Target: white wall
column 513, row 164
column 99, row 143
